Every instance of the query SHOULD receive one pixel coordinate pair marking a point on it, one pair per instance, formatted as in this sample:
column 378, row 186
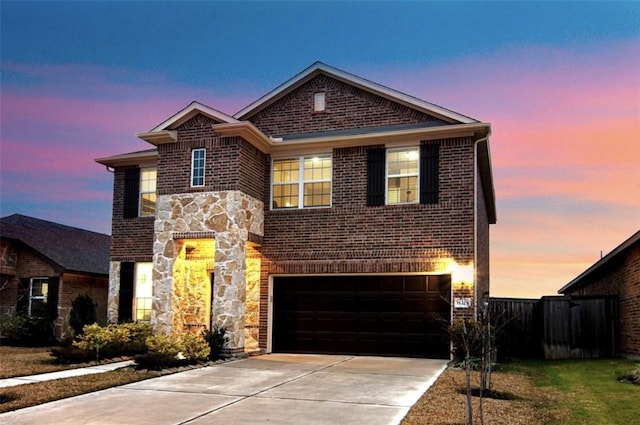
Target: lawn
column 541, row 392
column 591, row 390
column 19, row 361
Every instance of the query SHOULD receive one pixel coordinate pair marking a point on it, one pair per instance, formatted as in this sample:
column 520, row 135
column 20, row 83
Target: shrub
column 69, row 354
column 32, row 331
column 173, row 350
column 217, row 339
column 114, row 340
column 194, row 347
column 83, row 312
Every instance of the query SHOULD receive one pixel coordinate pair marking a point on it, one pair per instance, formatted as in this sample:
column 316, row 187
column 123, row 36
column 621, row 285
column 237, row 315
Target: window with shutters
column 38, row 293
column 402, row 175
column 148, row 191
column 301, row 182
column 143, row 292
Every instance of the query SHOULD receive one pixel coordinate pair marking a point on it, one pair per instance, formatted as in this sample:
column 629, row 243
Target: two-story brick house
column 331, row 215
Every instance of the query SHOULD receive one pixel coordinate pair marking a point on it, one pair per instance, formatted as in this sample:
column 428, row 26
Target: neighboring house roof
column 362, row 83
column 604, row 261
column 69, row 248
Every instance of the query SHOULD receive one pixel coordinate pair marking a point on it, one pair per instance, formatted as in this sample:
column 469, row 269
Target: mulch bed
column 516, row 400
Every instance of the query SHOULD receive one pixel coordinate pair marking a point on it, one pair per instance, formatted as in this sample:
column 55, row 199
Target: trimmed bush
column 217, row 340
column 114, row 340
column 173, row 350
column 83, row 312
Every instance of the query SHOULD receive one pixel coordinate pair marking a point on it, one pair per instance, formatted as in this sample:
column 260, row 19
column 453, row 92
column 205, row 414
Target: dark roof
column 70, row 248
column 604, row 261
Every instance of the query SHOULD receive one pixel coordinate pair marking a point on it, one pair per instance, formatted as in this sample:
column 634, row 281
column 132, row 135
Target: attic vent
column 318, row 102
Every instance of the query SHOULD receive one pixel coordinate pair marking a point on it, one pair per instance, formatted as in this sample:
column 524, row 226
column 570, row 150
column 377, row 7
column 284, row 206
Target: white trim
column 188, row 112
column 204, row 166
column 387, row 176
column 31, row 297
column 351, row 79
column 301, row 181
column 140, row 192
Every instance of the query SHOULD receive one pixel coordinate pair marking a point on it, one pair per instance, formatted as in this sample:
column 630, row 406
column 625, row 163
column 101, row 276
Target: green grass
column 589, row 389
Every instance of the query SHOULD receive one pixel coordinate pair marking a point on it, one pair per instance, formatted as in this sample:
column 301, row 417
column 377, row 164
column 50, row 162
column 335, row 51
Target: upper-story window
column 407, row 175
column 148, row 178
column 402, row 175
column 197, row 167
column 301, row 182
column 319, row 102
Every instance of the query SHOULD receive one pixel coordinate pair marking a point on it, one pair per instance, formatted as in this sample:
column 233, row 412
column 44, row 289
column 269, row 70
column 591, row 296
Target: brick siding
column 622, row 278
column 347, row 107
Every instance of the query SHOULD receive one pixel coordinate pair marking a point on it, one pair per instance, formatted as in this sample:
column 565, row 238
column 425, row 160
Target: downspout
column 475, row 222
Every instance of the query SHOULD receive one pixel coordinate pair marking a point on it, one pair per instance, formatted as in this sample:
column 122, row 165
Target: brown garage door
column 363, row 315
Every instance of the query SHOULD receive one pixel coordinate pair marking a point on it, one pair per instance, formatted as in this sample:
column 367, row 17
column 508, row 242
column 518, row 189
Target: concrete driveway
column 275, row 388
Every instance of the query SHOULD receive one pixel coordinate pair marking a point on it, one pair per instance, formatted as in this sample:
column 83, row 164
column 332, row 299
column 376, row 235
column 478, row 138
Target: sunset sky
column 558, row 81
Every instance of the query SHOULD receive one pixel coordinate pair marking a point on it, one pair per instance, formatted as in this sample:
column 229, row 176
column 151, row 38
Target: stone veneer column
column 227, row 216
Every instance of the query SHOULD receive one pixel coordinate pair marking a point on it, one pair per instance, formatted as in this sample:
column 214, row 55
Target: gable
column 347, row 107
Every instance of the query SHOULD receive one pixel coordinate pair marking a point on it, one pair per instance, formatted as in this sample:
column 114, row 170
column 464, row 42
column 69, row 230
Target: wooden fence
column 556, row 327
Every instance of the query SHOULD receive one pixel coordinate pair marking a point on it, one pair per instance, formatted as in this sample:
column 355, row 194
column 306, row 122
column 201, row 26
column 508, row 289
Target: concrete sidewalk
column 12, row 382
column 284, row 389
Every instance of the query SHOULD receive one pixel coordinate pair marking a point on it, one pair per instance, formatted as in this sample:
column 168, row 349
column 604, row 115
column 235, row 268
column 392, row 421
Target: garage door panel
column 373, row 315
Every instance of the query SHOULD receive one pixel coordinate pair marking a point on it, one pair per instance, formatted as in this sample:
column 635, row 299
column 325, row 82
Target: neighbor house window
column 197, row 167
column 402, row 175
column 38, row 293
column 318, row 102
column 302, row 182
column 148, row 191
column 143, row 292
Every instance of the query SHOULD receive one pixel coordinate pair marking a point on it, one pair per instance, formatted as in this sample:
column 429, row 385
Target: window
column 197, row 167
column 302, row 182
column 38, row 293
column 402, row 175
column 394, row 176
column 319, row 102
column 148, row 191
column 143, row 292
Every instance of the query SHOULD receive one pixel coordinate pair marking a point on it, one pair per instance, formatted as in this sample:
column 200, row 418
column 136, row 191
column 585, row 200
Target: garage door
column 363, row 315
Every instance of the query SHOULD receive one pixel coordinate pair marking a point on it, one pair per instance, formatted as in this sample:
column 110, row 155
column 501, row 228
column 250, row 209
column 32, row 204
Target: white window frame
column 142, row 275
column 301, row 181
column 144, row 191
column 194, row 167
column 390, row 176
column 43, row 298
column 319, row 102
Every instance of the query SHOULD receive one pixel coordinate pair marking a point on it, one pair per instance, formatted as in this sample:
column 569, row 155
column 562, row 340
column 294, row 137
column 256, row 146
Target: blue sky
column 559, row 81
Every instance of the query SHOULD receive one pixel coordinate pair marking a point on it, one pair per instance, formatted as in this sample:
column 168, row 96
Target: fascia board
column 137, row 158
column 188, row 112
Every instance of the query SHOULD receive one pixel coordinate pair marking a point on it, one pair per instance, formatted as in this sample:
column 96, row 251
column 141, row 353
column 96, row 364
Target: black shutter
column 429, row 172
column 125, row 302
column 131, row 192
column 375, row 176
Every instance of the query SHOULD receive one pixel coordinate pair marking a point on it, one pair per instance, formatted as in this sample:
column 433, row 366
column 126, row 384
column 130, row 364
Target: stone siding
column 229, row 217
